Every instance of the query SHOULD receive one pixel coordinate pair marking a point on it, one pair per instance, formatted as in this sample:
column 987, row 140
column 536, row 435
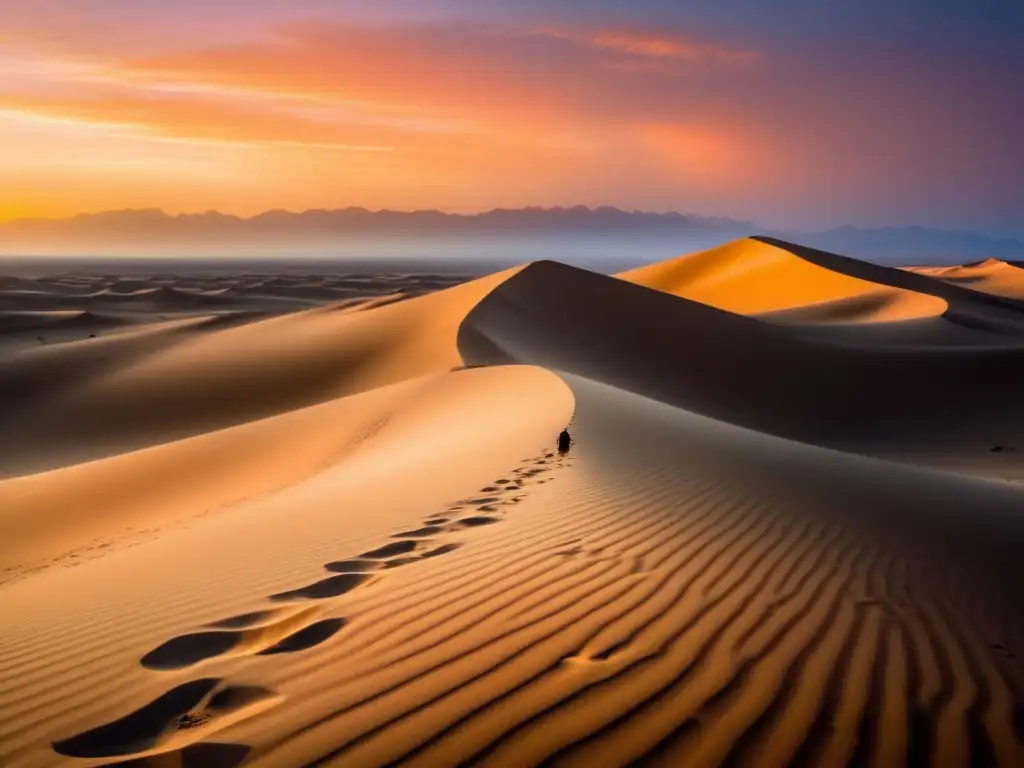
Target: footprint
column 186, row 650
column 503, row 481
column 183, row 715
column 437, row 520
column 311, row 636
column 391, row 550
column 487, row 508
column 353, row 566
column 246, row 619
column 482, row 500
column 398, row 562
column 429, row 530
column 332, row 586
column 478, row 520
column 444, row 549
column 490, row 489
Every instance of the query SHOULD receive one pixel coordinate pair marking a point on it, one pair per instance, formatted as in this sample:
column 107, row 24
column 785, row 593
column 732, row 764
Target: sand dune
column 15, row 322
column 750, row 277
column 790, row 284
column 200, row 375
column 41, row 514
column 880, row 399
column 343, row 537
column 992, row 276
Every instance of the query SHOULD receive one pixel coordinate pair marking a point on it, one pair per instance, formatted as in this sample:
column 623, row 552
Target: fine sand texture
column 342, row 534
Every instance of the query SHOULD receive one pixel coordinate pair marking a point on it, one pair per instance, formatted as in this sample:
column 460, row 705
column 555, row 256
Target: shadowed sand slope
column 874, row 399
column 66, row 403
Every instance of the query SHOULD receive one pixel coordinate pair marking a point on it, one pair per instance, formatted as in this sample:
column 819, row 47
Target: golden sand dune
column 833, row 299
column 992, row 276
column 402, row 569
column 751, row 276
column 193, row 375
column 41, row 514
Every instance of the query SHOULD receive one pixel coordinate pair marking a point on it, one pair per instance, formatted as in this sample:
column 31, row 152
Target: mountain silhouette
column 905, row 245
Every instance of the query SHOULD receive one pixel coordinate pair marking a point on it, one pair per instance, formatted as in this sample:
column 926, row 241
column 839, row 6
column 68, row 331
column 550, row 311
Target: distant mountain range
column 140, row 229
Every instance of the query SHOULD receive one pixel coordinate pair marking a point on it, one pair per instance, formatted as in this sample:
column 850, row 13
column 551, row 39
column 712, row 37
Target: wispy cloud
column 348, row 87
column 652, row 45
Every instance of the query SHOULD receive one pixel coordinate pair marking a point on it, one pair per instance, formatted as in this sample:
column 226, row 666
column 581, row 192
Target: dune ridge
column 788, row 283
column 752, row 277
column 990, row 276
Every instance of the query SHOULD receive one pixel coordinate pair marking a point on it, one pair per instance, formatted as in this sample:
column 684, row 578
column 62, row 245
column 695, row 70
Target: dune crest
column 752, row 277
column 990, row 276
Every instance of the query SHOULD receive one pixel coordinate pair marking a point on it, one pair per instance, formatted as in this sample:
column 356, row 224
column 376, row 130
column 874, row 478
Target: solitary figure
column 564, row 441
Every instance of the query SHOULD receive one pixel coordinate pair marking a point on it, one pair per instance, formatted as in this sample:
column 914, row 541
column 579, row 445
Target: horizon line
column 725, row 219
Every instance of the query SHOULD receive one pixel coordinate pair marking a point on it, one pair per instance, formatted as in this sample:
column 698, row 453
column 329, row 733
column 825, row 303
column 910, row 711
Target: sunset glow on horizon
column 244, row 107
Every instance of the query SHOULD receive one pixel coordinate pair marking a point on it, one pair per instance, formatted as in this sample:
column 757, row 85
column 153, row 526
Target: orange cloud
column 653, row 45
column 347, row 87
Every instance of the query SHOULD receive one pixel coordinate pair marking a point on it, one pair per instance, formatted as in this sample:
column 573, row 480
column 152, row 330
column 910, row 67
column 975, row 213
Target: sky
column 793, row 114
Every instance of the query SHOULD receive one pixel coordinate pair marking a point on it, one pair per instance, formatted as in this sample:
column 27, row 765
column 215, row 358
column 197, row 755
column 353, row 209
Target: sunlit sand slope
column 750, row 277
column 66, row 403
column 788, row 284
column 991, row 276
column 76, row 513
column 204, row 627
